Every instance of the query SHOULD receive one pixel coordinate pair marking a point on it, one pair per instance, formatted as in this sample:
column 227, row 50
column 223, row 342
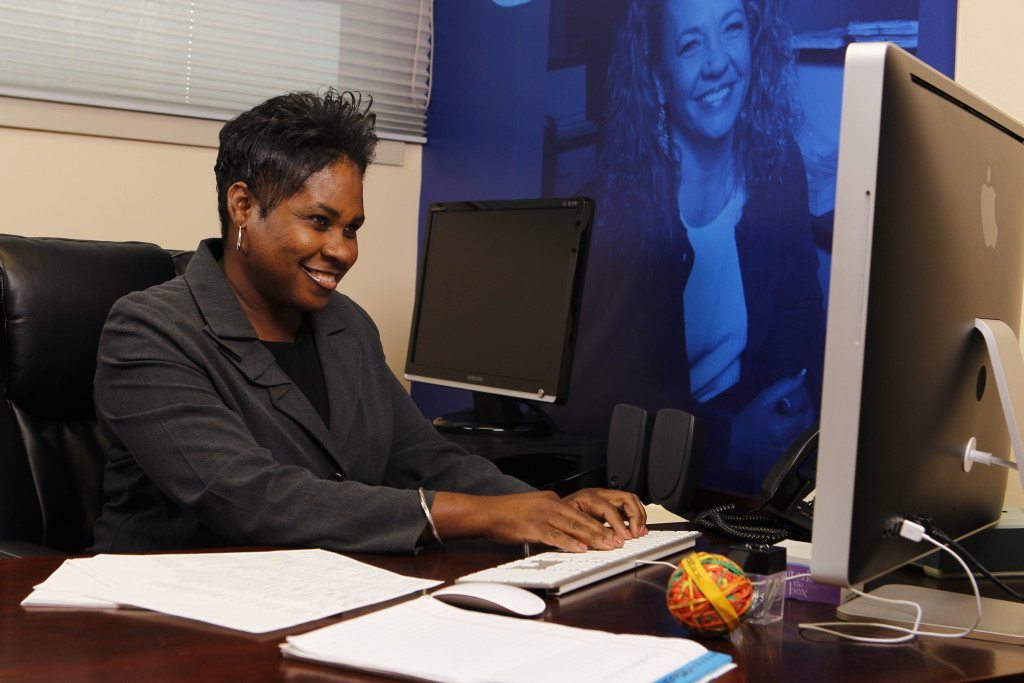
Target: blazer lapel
column 260, row 367
column 231, row 331
column 341, row 361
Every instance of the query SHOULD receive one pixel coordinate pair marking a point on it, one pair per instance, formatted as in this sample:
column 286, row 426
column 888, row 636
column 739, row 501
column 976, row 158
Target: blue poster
column 707, row 133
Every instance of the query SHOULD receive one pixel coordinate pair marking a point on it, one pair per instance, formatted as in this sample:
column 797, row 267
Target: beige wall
column 989, row 60
column 93, row 186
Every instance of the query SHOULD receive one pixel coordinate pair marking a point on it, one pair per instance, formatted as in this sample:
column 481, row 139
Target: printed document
column 254, row 592
column 429, row 640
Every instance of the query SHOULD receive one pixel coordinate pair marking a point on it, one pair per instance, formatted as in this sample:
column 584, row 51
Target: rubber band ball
column 708, row 594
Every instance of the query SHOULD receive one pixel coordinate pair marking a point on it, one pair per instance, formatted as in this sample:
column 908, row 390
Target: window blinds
column 215, row 58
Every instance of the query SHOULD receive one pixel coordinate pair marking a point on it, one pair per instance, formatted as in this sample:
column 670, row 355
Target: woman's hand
column 770, row 422
column 574, row 523
column 612, row 507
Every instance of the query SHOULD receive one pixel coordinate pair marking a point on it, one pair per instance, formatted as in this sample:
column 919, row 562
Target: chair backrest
column 54, row 298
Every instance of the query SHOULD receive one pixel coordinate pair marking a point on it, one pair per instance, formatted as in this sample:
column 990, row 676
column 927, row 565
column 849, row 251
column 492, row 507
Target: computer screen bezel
column 471, row 378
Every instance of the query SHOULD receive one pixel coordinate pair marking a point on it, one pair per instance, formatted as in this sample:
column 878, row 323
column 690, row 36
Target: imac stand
column 943, row 611
column 1008, row 368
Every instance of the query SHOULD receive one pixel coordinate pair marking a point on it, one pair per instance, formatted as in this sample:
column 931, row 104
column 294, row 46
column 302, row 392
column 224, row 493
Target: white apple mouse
column 492, row 597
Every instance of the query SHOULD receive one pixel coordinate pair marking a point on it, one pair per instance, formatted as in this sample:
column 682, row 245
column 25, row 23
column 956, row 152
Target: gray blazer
column 213, row 445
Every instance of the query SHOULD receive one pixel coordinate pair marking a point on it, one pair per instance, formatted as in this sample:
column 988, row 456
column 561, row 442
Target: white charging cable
column 914, row 532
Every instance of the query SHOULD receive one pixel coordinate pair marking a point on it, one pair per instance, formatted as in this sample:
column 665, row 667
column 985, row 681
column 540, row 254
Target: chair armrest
column 11, row 549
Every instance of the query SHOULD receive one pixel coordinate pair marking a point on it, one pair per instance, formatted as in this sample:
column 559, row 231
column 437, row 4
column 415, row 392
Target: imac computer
column 927, row 270
column 497, row 306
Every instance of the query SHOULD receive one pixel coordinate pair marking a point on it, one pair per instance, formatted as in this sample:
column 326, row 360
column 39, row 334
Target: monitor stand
column 1008, row 368
column 495, row 415
column 943, row 611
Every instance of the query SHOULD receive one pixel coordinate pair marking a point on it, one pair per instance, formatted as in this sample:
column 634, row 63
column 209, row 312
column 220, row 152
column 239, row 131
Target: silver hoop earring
column 238, row 242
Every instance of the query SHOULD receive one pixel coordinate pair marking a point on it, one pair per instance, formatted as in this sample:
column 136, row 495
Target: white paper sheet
column 67, row 587
column 429, row 640
column 254, row 592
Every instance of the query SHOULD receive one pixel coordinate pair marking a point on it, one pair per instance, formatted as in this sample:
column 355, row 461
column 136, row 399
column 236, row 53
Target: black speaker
column 674, row 458
column 628, row 436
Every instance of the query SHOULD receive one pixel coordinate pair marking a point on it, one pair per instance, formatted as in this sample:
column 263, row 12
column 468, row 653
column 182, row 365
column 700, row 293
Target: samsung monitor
column 928, row 238
column 497, row 304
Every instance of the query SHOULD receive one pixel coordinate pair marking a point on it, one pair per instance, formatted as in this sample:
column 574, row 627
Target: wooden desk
column 43, row 644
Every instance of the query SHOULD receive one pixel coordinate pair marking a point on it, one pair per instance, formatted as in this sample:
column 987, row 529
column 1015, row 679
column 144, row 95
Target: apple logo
column 988, row 212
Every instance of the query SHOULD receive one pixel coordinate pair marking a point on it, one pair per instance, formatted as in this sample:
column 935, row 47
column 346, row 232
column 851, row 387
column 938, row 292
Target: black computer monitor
column 497, row 305
column 928, row 237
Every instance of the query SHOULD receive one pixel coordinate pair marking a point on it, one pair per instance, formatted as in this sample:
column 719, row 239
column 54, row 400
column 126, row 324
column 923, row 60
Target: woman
column 705, row 223
column 248, row 403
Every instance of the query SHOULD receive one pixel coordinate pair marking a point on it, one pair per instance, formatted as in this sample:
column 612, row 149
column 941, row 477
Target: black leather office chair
column 54, row 298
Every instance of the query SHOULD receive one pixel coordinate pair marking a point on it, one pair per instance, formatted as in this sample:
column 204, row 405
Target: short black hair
column 278, row 144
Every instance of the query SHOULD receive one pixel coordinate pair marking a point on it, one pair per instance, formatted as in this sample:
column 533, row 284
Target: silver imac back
column 928, row 236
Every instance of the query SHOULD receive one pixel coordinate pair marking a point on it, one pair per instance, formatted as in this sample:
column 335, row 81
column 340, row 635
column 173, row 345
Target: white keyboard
column 561, row 572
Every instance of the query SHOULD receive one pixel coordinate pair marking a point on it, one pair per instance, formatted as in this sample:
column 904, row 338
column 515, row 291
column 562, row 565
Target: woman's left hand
column 612, row 506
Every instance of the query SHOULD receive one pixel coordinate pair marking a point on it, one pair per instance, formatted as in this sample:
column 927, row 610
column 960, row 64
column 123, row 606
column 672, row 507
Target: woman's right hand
column 539, row 517
column 772, row 420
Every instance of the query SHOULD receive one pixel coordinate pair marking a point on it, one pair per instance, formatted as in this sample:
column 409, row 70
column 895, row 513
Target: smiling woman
column 249, row 403
column 703, row 205
column 702, row 75
column 294, row 256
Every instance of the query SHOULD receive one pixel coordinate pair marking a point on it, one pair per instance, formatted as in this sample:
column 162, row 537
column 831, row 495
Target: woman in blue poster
column 681, row 118
column 703, row 214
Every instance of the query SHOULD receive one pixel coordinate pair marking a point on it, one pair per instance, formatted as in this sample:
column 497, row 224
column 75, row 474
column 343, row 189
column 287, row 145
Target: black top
column 300, row 361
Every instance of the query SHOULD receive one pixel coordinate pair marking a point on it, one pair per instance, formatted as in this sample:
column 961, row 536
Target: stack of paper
column 254, row 592
column 426, row 639
column 904, row 33
column 830, row 39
